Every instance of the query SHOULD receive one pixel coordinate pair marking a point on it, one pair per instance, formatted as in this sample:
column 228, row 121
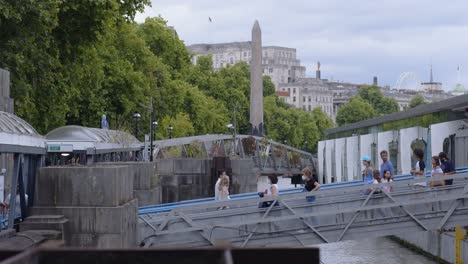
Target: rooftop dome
column 79, row 133
column 10, row 123
column 459, row 89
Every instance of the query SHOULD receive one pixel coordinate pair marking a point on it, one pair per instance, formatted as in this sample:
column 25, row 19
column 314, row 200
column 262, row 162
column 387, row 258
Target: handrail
column 337, row 185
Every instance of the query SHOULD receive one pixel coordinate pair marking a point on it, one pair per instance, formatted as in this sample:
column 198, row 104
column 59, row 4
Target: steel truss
column 335, row 215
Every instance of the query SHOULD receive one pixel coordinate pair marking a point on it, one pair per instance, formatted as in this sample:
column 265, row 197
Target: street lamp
column 170, row 129
column 305, row 145
column 154, row 125
column 285, row 142
column 233, row 129
column 137, row 117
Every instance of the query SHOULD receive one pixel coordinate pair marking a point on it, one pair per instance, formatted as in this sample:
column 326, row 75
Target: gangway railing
column 170, row 206
column 335, row 215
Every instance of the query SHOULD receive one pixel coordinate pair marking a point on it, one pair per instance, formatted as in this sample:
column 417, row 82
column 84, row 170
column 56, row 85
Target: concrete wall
column 329, row 149
column 97, row 201
column 352, row 158
column 186, row 179
column 243, row 178
column 365, row 143
column 321, row 158
column 407, row 136
column 340, row 148
column 439, row 132
column 383, row 139
column 146, row 181
column 438, row 244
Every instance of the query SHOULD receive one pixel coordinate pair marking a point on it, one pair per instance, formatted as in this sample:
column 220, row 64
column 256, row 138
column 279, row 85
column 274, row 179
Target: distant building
column 431, row 86
column 308, row 93
column 280, row 63
column 286, row 72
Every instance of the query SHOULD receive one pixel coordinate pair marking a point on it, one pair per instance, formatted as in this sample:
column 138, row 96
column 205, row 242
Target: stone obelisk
column 256, row 83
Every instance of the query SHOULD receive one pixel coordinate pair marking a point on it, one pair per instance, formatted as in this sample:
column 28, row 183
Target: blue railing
column 243, row 196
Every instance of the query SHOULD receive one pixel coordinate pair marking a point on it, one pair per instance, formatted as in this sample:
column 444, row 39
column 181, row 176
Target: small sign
column 59, row 148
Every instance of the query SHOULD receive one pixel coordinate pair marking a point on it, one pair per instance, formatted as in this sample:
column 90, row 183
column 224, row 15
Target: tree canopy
column 416, row 100
column 73, row 61
column 356, row 110
column 373, row 95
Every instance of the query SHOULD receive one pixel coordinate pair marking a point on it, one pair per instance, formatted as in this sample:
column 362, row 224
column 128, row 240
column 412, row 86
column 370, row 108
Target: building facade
column 280, row 63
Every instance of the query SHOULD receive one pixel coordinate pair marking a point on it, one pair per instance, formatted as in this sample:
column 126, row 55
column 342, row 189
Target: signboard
column 59, row 148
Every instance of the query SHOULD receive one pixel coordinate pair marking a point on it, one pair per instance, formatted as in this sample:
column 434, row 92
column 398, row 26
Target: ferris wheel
column 405, row 79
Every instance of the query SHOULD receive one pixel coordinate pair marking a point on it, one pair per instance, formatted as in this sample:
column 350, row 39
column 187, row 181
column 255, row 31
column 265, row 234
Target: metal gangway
column 344, row 213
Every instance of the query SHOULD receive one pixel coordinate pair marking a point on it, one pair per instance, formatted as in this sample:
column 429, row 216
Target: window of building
column 303, row 99
column 309, row 108
column 289, row 90
column 245, row 54
column 271, row 70
column 231, row 60
column 294, row 99
column 294, row 90
column 283, row 89
column 310, row 99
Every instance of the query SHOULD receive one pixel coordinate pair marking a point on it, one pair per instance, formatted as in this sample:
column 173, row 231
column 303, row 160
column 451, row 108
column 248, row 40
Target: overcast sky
column 353, row 40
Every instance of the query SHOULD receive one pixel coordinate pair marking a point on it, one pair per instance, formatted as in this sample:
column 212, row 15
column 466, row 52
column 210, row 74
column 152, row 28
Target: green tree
column 322, row 121
column 357, row 109
column 181, row 123
column 373, row 95
column 165, row 44
column 416, row 100
column 268, row 86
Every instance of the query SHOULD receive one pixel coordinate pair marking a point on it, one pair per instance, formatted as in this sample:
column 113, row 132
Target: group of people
column 222, row 187
column 441, row 165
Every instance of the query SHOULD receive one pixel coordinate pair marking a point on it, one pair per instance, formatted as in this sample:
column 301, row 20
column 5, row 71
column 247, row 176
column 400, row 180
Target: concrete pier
column 97, row 201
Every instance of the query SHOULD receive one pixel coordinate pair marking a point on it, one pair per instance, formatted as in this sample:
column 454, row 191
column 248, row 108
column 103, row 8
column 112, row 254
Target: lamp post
column 305, row 145
column 154, row 125
column 233, row 129
column 137, row 117
column 170, row 129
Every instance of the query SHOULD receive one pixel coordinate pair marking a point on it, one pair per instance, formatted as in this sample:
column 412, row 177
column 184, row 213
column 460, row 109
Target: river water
column 376, row 250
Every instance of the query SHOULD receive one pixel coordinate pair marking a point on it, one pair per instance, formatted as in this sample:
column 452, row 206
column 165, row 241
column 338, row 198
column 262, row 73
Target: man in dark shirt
column 447, row 167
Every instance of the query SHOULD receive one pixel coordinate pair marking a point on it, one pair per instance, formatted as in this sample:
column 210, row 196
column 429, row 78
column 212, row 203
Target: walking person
column 377, row 180
column 419, row 168
column 386, row 164
column 436, row 171
column 216, row 189
column 272, row 191
column 367, row 173
column 223, row 189
column 447, row 167
column 310, row 183
column 388, row 177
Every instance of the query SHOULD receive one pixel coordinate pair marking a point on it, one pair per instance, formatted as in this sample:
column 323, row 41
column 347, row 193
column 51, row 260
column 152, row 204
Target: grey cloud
column 353, row 39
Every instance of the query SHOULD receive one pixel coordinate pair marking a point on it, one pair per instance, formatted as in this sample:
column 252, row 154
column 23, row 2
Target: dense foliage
column 369, row 103
column 73, row 60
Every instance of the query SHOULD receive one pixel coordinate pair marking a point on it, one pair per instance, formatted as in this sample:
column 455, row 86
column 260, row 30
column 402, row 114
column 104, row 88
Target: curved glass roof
column 10, row 123
column 79, row 133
